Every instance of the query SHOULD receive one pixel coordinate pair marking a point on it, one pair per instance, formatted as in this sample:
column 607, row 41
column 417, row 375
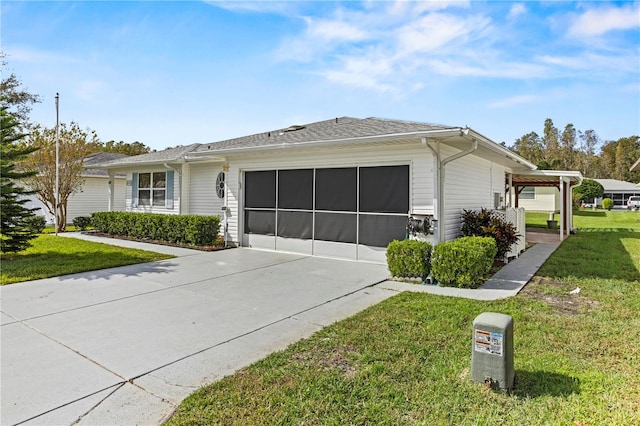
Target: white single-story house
column 547, row 199
column 343, row 187
column 618, row 190
column 94, row 193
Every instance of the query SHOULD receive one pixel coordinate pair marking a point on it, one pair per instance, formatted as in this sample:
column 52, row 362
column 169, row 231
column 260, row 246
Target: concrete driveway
column 126, row 345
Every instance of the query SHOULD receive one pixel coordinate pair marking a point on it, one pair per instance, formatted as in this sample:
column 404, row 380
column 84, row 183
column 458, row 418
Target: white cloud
column 460, row 67
column 403, row 46
column 365, row 72
column 596, row 22
column 437, row 30
column 516, row 10
column 515, row 100
column 322, row 30
column 279, row 7
column 27, row 54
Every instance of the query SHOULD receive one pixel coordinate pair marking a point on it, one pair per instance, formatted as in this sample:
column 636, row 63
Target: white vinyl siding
column 203, row 197
column 469, row 183
column 94, row 197
column 546, row 199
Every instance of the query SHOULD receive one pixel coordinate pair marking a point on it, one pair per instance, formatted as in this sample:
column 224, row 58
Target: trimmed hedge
column 464, row 262
column 181, row 229
column 409, row 258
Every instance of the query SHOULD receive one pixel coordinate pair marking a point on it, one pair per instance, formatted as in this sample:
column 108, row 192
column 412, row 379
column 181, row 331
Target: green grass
column 52, row 256
column 591, row 219
column 407, row 360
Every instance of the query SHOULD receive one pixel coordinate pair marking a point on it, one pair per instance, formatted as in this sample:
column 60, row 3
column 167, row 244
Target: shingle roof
column 334, row 129
column 617, row 185
column 167, row 155
column 98, row 158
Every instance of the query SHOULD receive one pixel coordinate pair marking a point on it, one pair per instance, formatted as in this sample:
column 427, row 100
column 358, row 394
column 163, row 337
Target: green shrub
column 483, row 224
column 607, row 203
column 464, row 262
column 35, row 223
column 181, row 229
column 82, row 222
column 409, row 258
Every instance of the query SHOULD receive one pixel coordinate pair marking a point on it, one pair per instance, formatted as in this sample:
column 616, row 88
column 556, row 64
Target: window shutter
column 169, row 199
column 134, row 190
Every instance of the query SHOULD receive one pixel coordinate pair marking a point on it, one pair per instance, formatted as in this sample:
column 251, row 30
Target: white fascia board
column 488, row 143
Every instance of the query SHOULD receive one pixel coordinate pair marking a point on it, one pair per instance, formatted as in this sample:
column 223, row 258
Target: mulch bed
column 216, row 247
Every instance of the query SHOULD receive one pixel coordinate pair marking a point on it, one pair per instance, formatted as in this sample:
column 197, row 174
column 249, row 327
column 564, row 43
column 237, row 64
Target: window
column 152, row 189
column 528, row 193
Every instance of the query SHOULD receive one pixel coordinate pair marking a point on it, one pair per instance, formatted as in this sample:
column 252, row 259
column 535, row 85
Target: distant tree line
column 572, row 149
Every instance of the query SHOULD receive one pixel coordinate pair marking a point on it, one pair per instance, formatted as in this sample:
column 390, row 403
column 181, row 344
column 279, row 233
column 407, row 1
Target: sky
column 175, row 73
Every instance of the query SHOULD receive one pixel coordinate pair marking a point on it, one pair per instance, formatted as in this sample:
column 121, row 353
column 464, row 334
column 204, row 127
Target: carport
column 563, row 180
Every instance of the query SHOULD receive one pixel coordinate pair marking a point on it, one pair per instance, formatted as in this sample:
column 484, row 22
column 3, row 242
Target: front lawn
column 590, row 219
column 407, row 360
column 52, row 256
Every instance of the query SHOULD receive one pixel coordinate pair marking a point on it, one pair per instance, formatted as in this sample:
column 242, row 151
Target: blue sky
column 175, row 73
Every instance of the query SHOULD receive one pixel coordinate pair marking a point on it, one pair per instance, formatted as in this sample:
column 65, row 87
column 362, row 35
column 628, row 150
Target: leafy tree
column 551, row 144
column 530, row 147
column 15, row 228
column 74, row 145
column 122, row 147
column 568, row 142
column 589, row 190
column 627, row 152
column 14, row 97
column 588, row 163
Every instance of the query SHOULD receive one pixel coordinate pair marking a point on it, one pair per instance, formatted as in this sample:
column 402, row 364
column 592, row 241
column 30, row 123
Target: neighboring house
column 342, row 187
column 618, row 190
column 540, row 199
column 94, row 194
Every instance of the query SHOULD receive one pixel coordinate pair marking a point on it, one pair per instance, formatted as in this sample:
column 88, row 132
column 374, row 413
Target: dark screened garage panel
column 295, row 189
column 295, row 225
column 384, row 189
column 260, row 222
column 260, row 189
column 336, row 189
column 380, row 230
column 340, row 227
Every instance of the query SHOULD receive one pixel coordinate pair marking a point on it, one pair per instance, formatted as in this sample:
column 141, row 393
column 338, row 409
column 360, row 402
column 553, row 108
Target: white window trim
column 151, row 189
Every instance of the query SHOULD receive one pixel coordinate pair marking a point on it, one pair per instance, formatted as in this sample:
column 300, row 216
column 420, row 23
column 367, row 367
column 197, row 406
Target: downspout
column 436, row 198
column 571, row 198
column 440, row 177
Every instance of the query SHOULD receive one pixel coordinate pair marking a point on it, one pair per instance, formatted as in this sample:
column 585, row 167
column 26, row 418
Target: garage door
column 347, row 212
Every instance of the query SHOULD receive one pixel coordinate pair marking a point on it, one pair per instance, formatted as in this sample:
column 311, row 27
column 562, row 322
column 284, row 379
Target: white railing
column 516, row 216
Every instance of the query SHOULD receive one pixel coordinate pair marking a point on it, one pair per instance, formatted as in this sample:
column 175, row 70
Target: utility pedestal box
column 492, row 352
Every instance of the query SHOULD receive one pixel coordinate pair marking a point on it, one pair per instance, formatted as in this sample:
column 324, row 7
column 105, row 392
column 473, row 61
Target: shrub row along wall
column 464, row 262
column 181, row 229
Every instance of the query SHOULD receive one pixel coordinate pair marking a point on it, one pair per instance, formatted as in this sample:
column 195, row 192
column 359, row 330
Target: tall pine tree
column 15, row 230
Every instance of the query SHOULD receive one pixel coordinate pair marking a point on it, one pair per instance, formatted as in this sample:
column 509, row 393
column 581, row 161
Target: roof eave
column 488, row 143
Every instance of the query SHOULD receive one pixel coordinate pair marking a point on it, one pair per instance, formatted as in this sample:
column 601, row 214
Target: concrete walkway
column 126, row 345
